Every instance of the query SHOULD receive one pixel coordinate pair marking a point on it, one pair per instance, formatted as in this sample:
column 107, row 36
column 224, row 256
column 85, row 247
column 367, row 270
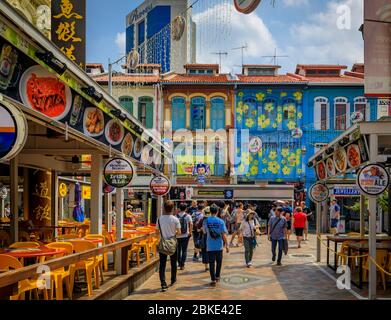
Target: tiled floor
column 300, row 278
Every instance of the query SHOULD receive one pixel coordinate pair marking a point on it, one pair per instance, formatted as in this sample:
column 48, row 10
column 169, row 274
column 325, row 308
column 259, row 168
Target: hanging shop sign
column 246, row 6
column 62, row 190
column 319, row 192
column 160, row 185
column 132, row 60
column 383, row 108
column 356, row 116
column 297, row 133
column 86, row 192
column 178, row 27
column 348, row 154
column 50, row 95
column 373, row 180
column 255, row 144
column 107, row 189
column 345, row 191
column 13, row 131
column 69, row 28
column 229, row 194
column 118, row 173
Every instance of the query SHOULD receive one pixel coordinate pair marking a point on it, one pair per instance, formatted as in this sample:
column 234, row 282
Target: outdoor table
column 31, row 252
column 362, row 248
column 93, row 240
column 337, row 239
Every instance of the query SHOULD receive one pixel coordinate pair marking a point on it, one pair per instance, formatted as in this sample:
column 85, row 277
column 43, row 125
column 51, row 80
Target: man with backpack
column 277, row 233
column 216, row 232
column 183, row 238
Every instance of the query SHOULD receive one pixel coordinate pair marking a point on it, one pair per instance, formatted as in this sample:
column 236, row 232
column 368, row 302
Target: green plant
column 382, row 202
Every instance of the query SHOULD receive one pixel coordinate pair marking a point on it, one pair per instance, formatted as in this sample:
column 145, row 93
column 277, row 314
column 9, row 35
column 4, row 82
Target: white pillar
column 96, row 193
column 55, row 202
column 372, row 224
column 119, row 206
column 14, row 199
column 108, row 209
column 318, row 231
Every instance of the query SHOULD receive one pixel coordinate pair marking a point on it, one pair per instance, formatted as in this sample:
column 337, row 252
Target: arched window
column 341, row 113
column 361, row 105
column 127, row 103
column 198, row 113
column 217, row 114
column 270, row 112
column 289, row 113
column 321, row 114
column 250, row 113
column 178, row 113
column 145, row 111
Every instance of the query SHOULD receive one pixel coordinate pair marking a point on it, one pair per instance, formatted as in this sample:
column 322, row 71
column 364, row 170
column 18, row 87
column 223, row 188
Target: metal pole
column 363, row 210
column 119, row 206
column 110, row 78
column 318, row 231
column 14, row 200
column 372, row 225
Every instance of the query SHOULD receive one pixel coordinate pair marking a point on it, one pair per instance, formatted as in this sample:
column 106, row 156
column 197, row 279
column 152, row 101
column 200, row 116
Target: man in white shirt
column 183, row 239
column 169, row 227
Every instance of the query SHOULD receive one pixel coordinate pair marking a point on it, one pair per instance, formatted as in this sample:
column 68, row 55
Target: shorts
column 299, row 232
column 289, row 225
column 334, row 223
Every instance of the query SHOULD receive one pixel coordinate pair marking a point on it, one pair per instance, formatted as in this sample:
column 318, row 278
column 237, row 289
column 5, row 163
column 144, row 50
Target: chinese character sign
column 69, row 28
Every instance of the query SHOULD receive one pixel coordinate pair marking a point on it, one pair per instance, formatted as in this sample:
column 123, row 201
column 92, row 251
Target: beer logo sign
column 118, row 173
column 373, row 180
column 246, row 6
column 319, row 192
column 160, row 186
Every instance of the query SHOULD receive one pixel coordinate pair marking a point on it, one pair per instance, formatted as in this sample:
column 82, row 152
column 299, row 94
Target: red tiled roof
column 341, row 79
column 354, row 74
column 270, row 79
column 200, row 66
column 127, row 78
column 321, row 66
column 185, row 78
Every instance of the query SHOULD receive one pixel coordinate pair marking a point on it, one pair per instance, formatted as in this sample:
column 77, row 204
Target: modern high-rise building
column 148, row 30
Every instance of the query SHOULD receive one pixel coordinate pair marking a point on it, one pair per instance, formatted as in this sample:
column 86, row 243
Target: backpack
column 183, row 222
column 195, row 218
column 213, row 233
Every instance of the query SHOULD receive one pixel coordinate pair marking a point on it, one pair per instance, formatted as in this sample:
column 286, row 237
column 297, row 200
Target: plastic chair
column 59, row 275
column 8, row 263
column 381, row 259
column 27, row 244
column 89, row 265
column 4, row 239
column 68, row 236
column 103, row 259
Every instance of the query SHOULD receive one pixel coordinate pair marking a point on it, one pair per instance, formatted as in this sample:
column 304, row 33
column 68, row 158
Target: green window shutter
column 149, row 118
column 127, row 104
column 145, row 112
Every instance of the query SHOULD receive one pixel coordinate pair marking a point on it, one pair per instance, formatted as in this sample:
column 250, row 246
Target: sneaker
column 213, row 284
column 279, row 263
column 274, row 259
column 173, row 283
column 250, row 264
column 182, row 268
column 217, row 279
column 195, row 259
column 164, row 288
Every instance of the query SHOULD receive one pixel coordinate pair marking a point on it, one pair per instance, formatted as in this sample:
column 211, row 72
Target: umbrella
column 78, row 213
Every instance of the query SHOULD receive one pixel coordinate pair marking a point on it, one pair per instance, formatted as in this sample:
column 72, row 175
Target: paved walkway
column 300, row 278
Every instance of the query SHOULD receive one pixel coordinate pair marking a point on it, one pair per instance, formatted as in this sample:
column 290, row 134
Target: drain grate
column 301, row 255
column 240, row 281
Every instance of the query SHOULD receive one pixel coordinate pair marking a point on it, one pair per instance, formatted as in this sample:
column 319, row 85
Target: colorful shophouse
column 202, row 99
column 294, row 115
column 270, row 106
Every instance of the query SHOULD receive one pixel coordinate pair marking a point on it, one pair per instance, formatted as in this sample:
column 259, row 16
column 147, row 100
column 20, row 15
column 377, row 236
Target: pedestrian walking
column 196, row 217
column 202, row 238
column 299, row 221
column 184, row 237
column 249, row 230
column 277, row 233
column 335, row 215
column 216, row 240
column 238, row 220
column 308, row 213
column 169, row 227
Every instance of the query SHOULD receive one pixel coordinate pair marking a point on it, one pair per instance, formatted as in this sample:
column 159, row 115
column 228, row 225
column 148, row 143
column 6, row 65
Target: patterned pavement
column 299, row 278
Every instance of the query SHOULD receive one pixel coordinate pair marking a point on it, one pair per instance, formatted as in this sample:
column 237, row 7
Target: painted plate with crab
column 42, row 91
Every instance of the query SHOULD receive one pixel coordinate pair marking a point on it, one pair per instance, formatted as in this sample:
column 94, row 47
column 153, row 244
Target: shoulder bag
column 166, row 246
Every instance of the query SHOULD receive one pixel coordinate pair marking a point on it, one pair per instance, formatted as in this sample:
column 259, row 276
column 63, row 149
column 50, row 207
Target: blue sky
column 308, row 31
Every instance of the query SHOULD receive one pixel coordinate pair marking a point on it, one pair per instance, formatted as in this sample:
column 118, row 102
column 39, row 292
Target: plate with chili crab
column 42, row 91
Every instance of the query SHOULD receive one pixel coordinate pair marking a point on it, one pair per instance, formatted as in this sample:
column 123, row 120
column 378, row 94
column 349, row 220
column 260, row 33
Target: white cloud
column 319, row 40
column 224, row 33
column 295, row 3
column 120, row 41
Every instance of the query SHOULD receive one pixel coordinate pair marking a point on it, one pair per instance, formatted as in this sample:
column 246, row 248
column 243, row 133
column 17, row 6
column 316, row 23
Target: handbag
column 166, row 246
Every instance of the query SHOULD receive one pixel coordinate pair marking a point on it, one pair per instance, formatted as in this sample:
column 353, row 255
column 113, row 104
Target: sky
column 306, row 31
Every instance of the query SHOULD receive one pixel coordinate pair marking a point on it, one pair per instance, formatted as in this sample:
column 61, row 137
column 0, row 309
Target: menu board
column 346, row 157
column 42, row 91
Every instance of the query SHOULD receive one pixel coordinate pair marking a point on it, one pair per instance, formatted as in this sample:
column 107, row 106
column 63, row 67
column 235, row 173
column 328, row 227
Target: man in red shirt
column 299, row 222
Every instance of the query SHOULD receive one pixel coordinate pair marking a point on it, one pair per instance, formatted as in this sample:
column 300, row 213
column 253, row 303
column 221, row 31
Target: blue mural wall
column 272, row 113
